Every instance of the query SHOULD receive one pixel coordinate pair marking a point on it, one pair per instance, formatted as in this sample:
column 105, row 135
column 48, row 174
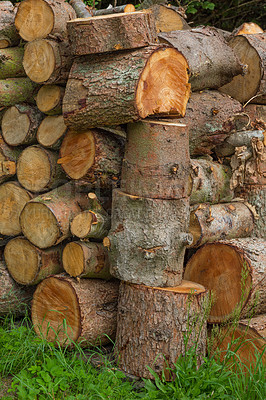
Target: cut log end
column 51, row 130
column 39, row 60
column 129, row 8
column 81, row 224
column 73, row 259
column 48, row 98
column 15, row 126
column 4, row 43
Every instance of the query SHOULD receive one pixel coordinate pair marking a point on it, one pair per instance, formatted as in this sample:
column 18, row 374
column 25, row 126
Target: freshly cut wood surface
column 52, row 131
column 152, row 325
column 122, row 31
column 212, row 63
column 88, row 307
column 86, row 260
column 131, row 78
column 8, row 160
column 49, row 99
column 11, row 63
column 29, row 265
column 251, row 51
column 36, row 19
column 12, row 200
column 167, row 18
column 209, row 223
column 247, row 28
column 38, row 171
column 235, row 271
column 20, row 124
column 17, row 90
column 47, row 61
column 92, row 155
column 156, row 163
column 91, row 224
column 8, row 33
column 150, row 236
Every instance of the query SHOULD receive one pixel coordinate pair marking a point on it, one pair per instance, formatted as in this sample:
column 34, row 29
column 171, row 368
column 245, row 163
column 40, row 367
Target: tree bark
column 251, row 51
column 235, row 271
column 220, row 221
column 149, row 235
column 51, row 132
column 167, row 18
column 50, row 98
column 20, row 123
column 212, row 63
column 36, row 19
column 11, row 63
column 156, row 163
column 154, row 323
column 131, row 78
column 86, row 260
column 121, row 32
column 256, row 196
column 89, row 308
column 238, row 139
column 29, row 265
column 92, row 156
column 8, row 33
column 16, row 90
column 8, row 161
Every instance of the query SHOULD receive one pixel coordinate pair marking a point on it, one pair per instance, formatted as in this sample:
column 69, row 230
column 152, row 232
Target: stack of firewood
column 75, row 198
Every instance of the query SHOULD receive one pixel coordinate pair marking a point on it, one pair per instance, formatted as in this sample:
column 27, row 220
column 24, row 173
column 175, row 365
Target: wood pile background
column 132, row 149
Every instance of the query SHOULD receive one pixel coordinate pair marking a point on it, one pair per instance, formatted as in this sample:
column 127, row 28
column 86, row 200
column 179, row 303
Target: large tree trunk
column 155, row 326
column 93, row 156
column 88, row 307
column 47, row 61
column 121, row 32
column 251, row 50
column 147, row 239
column 29, row 265
column 20, row 124
column 86, row 260
column 38, row 171
column 51, row 132
column 235, row 271
column 16, row 90
column 156, row 162
column 8, row 160
column 11, row 63
column 45, row 220
column 8, row 33
column 220, row 221
column 131, row 78
column 37, row 19
column 50, row 98
column 212, row 63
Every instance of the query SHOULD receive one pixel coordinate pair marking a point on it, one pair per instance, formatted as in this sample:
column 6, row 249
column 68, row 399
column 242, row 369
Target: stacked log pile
column 81, row 208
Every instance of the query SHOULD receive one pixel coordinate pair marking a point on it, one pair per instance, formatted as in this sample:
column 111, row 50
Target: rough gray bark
column 8, row 33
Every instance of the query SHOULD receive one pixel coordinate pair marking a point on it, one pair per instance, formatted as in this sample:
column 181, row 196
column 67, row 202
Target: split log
column 220, row 221
column 66, row 311
column 156, row 163
column 92, row 156
column 38, row 171
column 167, row 18
column 52, row 131
column 147, row 239
column 29, row 265
column 50, row 98
column 251, row 51
column 20, row 124
column 210, row 117
column 8, row 160
column 45, row 221
column 247, row 28
column 36, row 19
column 155, row 326
column 131, row 78
column 47, row 61
column 8, row 33
column 235, row 271
column 86, row 260
column 16, row 90
column 11, row 63
column 238, row 139
column 121, row 32
column 12, row 200
column 210, row 182
column 212, row 63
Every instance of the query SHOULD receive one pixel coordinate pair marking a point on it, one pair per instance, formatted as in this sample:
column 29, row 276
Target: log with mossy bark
column 51, row 132
column 157, row 325
column 212, row 63
column 11, row 63
column 8, row 160
column 93, row 156
column 147, row 239
column 234, row 270
column 17, row 90
column 8, row 34
column 67, row 310
column 36, row 19
column 156, row 163
column 86, row 260
column 20, row 124
column 49, row 99
column 251, row 86
column 29, row 265
column 121, row 32
column 131, row 78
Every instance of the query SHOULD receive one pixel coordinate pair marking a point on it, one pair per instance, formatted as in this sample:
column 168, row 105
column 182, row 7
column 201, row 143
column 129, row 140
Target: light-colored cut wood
column 167, row 18
column 49, row 99
column 91, row 224
column 52, row 131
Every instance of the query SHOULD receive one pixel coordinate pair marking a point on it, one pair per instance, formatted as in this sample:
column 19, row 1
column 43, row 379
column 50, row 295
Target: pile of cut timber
column 122, row 156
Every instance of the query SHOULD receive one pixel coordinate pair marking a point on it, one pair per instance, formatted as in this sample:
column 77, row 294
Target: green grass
column 43, row 371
